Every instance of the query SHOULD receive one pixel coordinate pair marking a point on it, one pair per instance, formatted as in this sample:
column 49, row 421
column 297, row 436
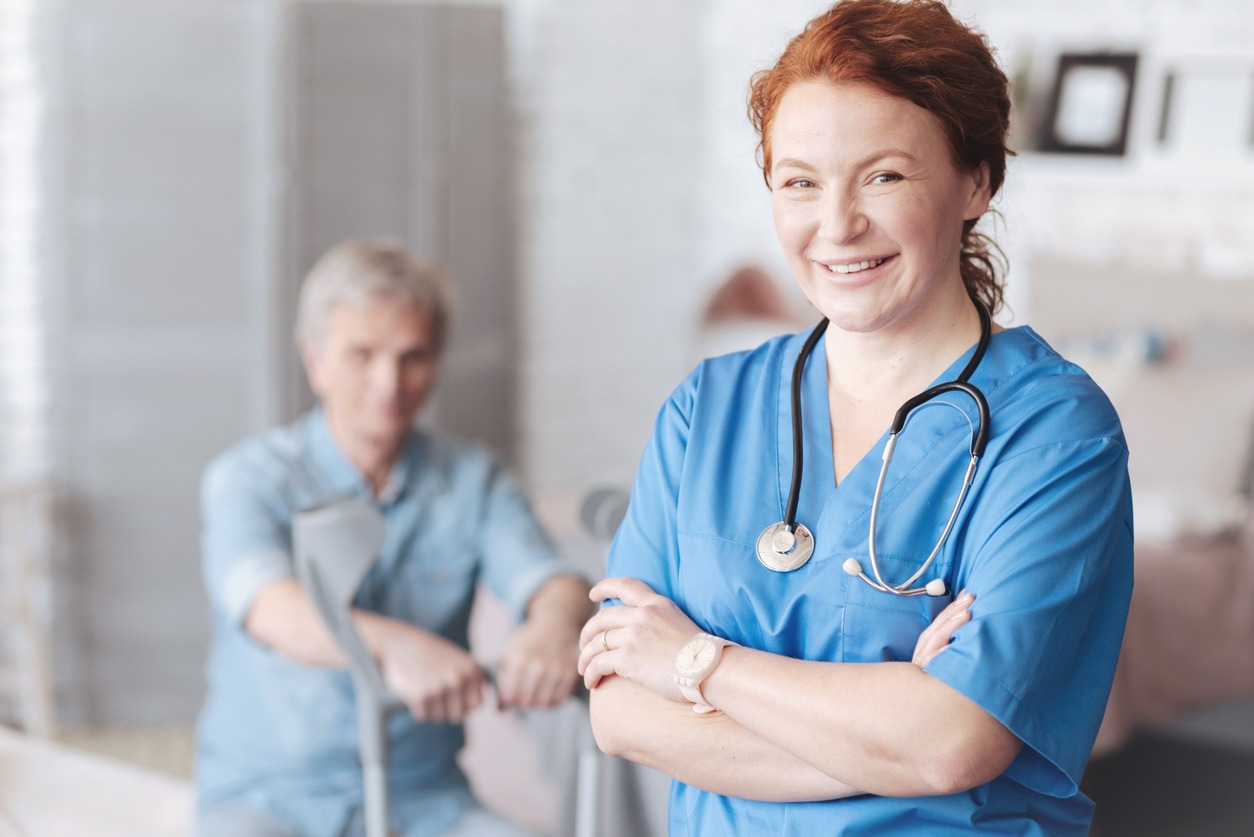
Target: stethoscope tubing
column 794, row 490
column 979, row 441
column 903, row 589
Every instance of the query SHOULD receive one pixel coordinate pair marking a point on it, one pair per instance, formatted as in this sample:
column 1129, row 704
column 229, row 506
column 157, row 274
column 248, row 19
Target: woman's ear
column 981, row 193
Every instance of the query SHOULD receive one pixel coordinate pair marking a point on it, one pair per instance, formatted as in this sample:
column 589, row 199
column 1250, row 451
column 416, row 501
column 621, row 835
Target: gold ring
column 604, row 643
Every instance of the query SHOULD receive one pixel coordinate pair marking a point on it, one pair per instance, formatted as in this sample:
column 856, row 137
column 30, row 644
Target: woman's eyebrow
column 869, row 159
column 792, row 162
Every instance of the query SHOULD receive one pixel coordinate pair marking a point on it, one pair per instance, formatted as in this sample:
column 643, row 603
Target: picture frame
column 1090, row 107
column 1206, row 107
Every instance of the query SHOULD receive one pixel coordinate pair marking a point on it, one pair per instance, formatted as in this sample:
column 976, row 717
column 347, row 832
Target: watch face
column 696, row 656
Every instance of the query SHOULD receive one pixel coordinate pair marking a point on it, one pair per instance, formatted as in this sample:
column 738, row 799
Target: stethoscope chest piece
column 782, row 550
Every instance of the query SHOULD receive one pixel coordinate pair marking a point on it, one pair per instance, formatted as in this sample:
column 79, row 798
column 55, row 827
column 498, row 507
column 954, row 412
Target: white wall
column 163, row 326
column 640, row 192
column 609, row 218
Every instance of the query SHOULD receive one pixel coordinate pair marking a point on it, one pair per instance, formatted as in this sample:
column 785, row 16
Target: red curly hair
column 918, row 51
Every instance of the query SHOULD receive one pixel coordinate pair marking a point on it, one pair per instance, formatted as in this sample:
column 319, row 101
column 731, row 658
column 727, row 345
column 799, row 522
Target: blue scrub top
column 1044, row 541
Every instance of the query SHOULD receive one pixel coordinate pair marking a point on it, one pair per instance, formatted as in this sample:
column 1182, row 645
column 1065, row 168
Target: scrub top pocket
column 882, row 627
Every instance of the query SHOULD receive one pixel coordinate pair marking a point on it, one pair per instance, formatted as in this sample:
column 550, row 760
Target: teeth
column 855, row 267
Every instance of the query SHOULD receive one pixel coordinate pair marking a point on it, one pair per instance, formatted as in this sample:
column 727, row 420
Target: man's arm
column 282, row 618
column 436, row 679
column 539, row 664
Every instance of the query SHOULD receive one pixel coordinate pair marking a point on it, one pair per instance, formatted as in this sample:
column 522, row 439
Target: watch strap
column 690, row 686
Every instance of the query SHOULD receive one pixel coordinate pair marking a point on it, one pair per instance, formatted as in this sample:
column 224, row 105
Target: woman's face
column 868, row 204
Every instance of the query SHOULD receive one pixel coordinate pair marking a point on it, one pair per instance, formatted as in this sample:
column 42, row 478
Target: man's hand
column 538, row 666
column 436, row 679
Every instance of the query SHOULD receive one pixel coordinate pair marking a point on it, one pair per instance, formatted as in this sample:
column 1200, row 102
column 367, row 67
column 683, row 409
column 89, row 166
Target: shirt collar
column 338, row 476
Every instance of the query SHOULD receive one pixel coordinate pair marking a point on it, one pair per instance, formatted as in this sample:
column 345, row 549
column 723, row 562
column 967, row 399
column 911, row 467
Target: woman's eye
column 800, row 183
column 886, row 177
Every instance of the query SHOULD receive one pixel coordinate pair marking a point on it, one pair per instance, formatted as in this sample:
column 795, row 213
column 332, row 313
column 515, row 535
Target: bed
column 1188, row 412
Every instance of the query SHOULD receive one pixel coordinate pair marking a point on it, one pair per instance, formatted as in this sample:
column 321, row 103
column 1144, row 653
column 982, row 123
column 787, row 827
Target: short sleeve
column 518, row 557
column 1052, row 578
column 646, row 546
column 245, row 542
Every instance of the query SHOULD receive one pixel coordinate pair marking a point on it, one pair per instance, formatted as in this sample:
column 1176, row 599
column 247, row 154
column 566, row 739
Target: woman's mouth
column 855, row 267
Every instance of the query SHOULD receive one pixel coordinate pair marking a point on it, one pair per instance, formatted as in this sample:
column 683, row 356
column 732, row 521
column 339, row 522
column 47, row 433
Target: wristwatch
column 696, row 660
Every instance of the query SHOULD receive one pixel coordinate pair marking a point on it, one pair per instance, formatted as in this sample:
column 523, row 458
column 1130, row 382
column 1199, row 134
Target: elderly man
column 277, row 741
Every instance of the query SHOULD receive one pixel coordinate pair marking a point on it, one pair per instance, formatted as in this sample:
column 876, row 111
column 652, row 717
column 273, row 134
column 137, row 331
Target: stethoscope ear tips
column 935, row 587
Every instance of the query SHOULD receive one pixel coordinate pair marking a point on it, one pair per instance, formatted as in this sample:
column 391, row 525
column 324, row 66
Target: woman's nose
column 842, row 219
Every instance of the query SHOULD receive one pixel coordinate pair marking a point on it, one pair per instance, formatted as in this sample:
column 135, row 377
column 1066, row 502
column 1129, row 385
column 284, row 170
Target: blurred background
column 585, row 172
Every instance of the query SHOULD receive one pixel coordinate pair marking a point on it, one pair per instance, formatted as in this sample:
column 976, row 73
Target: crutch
column 587, row 781
column 601, row 512
column 335, row 545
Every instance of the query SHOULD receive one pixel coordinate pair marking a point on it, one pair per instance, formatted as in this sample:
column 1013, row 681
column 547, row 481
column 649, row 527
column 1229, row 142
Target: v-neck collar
column 842, row 512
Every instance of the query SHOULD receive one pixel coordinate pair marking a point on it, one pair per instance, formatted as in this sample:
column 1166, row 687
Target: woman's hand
column 937, row 636
column 637, row 640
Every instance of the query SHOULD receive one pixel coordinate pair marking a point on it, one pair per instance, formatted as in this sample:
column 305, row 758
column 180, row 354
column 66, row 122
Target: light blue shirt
column 282, row 736
column 1044, row 541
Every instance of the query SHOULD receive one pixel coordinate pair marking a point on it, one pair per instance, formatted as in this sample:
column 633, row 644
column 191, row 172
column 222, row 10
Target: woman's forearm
column 890, row 727
column 711, row 752
column 791, row 729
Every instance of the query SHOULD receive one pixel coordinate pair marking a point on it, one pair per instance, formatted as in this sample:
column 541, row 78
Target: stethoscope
column 788, row 545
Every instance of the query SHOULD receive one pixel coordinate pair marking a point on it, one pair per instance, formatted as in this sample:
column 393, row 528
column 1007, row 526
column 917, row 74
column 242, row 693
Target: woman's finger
column 630, row 591
column 598, row 667
column 596, row 644
column 606, row 619
column 937, row 636
column 939, row 640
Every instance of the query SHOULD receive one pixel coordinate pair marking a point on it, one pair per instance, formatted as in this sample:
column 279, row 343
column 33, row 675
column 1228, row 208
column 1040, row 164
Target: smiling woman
column 966, row 698
column 869, row 206
column 859, row 43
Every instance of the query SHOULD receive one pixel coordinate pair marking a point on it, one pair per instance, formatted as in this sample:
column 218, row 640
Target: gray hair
column 354, row 271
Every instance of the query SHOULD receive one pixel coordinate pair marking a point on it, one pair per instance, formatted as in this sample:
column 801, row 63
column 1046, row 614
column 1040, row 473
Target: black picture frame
column 1090, row 107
